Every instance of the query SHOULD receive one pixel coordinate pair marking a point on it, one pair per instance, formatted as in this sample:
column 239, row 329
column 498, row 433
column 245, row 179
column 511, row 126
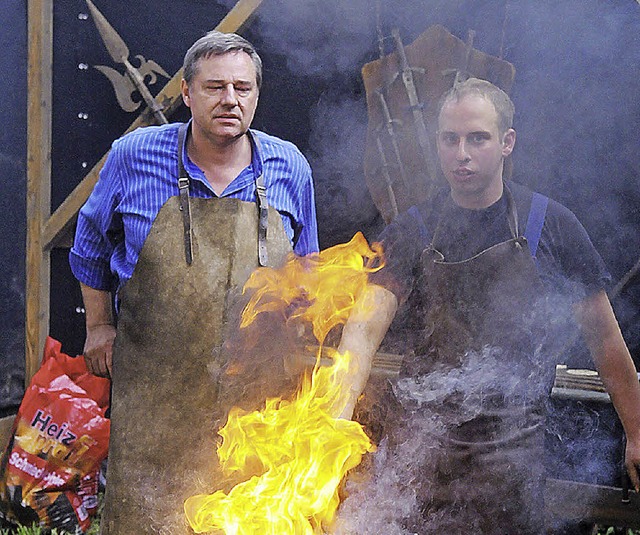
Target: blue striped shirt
column 141, row 173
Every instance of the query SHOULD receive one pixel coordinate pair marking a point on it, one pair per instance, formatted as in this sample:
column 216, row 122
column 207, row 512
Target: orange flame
column 294, row 453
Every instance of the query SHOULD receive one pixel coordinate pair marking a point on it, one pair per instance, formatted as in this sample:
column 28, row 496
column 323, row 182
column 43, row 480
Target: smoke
column 575, row 95
column 383, row 500
column 576, row 91
column 404, row 472
column 576, row 100
column 421, row 481
column 337, row 137
column 416, row 460
column 320, row 38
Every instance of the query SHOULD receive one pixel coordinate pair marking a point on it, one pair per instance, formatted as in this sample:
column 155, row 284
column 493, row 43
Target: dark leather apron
column 480, row 332
column 167, row 356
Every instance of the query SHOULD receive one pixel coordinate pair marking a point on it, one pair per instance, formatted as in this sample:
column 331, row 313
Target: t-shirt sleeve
column 402, row 243
column 568, row 257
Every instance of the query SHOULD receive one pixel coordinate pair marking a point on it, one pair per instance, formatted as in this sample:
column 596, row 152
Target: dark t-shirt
column 567, row 261
column 492, row 399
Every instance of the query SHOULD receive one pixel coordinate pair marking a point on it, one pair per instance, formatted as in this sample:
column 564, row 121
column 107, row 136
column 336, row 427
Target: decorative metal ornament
column 125, row 85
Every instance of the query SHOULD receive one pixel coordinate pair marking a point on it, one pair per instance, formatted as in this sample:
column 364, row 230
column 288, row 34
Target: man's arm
column 368, row 323
column 618, row 372
column 101, row 330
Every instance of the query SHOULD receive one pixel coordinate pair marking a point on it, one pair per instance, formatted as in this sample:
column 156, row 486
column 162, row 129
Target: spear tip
column 116, row 47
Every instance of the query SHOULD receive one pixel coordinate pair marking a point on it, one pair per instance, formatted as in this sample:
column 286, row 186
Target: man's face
column 222, row 96
column 472, row 150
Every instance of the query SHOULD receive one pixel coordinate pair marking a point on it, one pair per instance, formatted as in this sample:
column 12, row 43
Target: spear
column 119, row 53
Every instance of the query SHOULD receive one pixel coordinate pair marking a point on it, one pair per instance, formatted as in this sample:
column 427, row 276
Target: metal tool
column 389, row 126
column 406, row 73
column 463, row 72
column 387, row 178
column 119, row 52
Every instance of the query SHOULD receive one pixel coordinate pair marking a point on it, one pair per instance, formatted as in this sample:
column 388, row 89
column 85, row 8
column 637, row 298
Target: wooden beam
column 58, row 226
column 238, row 16
column 39, row 74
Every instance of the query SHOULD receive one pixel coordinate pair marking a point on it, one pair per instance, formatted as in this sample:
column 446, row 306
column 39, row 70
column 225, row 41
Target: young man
column 483, row 267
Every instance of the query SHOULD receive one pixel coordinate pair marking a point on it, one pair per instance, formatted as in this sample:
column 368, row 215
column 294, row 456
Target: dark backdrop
column 576, row 92
column 13, row 139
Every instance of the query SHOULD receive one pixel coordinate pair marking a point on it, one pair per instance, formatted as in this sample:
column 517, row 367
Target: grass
column 94, row 529
column 612, row 531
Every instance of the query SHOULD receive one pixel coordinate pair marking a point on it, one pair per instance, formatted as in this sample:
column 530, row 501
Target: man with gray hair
column 180, row 216
column 481, row 272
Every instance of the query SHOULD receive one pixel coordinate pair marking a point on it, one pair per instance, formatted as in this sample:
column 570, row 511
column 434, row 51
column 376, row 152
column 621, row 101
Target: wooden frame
column 46, row 231
column 39, row 76
column 39, row 98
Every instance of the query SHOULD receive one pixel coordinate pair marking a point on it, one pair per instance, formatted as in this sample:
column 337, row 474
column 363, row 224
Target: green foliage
column 94, row 529
column 32, row 530
column 26, row 530
column 604, row 530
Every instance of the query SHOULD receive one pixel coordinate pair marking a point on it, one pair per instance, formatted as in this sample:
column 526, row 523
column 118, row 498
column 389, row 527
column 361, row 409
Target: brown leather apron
column 480, row 335
column 167, row 356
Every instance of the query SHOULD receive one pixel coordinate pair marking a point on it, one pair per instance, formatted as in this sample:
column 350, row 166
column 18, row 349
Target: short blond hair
column 475, row 86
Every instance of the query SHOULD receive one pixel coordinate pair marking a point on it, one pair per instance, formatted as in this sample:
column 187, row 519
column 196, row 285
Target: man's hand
column 98, row 348
column 632, row 462
column 101, row 332
column 618, row 372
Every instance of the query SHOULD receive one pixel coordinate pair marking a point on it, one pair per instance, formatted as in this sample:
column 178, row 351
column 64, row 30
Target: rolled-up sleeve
column 307, row 240
column 98, row 221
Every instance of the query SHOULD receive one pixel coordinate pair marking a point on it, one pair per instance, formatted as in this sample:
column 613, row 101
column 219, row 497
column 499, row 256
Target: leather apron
column 167, row 355
column 479, row 335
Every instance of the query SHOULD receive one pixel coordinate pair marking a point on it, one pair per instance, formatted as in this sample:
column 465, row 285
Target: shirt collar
column 249, row 173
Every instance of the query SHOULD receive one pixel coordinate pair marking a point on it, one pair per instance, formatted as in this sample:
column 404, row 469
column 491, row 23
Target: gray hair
column 216, row 43
column 475, row 86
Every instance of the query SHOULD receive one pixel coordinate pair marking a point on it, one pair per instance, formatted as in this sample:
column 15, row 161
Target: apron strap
column 512, row 218
column 535, row 222
column 183, row 188
column 263, row 207
column 185, row 206
column 512, row 215
column 512, row 212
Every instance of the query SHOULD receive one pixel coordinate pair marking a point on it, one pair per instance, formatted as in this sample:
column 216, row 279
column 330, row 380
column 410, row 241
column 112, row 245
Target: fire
column 294, row 453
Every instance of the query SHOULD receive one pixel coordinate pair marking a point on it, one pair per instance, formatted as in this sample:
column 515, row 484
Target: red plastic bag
column 48, row 474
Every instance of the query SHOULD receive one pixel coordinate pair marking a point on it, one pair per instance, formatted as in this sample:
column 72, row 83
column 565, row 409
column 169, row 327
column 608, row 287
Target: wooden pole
column 39, row 74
